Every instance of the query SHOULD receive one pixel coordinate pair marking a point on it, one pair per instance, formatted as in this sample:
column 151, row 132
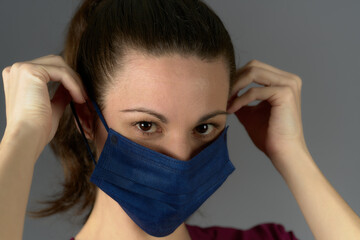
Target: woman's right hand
column 27, row 100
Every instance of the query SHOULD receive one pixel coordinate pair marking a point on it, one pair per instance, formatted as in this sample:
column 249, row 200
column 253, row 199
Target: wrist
column 293, row 160
column 23, row 139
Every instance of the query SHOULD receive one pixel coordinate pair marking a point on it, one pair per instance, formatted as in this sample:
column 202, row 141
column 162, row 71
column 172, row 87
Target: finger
column 296, row 80
column 266, row 78
column 257, row 63
column 260, row 76
column 5, row 76
column 6, row 70
column 50, row 60
column 65, row 77
column 57, row 60
column 274, row 95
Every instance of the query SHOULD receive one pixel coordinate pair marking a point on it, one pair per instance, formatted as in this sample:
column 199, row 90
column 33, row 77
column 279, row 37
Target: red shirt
column 268, row 231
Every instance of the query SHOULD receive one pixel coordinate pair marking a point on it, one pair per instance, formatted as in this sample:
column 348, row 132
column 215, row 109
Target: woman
column 152, row 83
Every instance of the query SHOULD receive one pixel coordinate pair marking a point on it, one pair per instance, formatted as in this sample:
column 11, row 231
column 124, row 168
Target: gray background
column 318, row 40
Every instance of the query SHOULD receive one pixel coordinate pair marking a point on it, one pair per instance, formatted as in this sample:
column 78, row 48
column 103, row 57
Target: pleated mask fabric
column 158, row 192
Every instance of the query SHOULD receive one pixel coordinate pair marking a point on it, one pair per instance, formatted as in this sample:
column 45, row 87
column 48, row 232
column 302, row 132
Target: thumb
column 58, row 104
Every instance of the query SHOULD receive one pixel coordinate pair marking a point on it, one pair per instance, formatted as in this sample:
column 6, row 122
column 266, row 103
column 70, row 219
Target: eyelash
column 215, row 125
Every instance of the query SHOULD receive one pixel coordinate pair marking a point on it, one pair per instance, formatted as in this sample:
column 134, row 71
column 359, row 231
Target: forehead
column 172, row 84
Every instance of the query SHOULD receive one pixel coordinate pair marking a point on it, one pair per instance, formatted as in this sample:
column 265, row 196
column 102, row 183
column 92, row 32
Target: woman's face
column 174, row 105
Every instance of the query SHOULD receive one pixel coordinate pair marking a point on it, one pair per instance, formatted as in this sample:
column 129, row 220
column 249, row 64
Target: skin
column 186, row 89
column 203, row 89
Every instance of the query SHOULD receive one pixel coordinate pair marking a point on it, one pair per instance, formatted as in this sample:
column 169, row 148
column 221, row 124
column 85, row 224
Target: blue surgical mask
column 158, row 192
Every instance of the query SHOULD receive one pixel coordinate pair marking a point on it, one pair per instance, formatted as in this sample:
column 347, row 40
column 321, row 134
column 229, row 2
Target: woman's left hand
column 274, row 125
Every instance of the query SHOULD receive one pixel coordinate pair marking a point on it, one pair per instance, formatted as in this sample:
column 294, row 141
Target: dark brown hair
column 98, row 37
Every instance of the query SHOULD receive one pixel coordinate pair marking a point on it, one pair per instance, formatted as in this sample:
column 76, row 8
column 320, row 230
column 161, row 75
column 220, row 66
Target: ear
column 85, row 113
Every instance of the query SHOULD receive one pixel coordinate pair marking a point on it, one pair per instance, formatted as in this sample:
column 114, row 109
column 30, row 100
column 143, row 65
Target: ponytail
column 68, row 144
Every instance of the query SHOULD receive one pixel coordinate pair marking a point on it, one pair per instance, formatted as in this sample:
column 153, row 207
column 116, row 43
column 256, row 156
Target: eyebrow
column 163, row 119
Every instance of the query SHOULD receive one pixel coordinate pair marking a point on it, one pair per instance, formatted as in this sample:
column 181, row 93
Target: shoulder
column 265, row 231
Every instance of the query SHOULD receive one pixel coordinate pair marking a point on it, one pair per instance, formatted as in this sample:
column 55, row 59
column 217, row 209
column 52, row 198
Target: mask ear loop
column 97, row 109
column 81, row 129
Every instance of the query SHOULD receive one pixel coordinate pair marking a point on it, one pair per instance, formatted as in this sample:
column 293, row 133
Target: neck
column 109, row 221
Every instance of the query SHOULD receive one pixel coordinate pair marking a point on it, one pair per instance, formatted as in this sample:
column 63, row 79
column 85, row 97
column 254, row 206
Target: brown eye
column 145, row 126
column 204, row 129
